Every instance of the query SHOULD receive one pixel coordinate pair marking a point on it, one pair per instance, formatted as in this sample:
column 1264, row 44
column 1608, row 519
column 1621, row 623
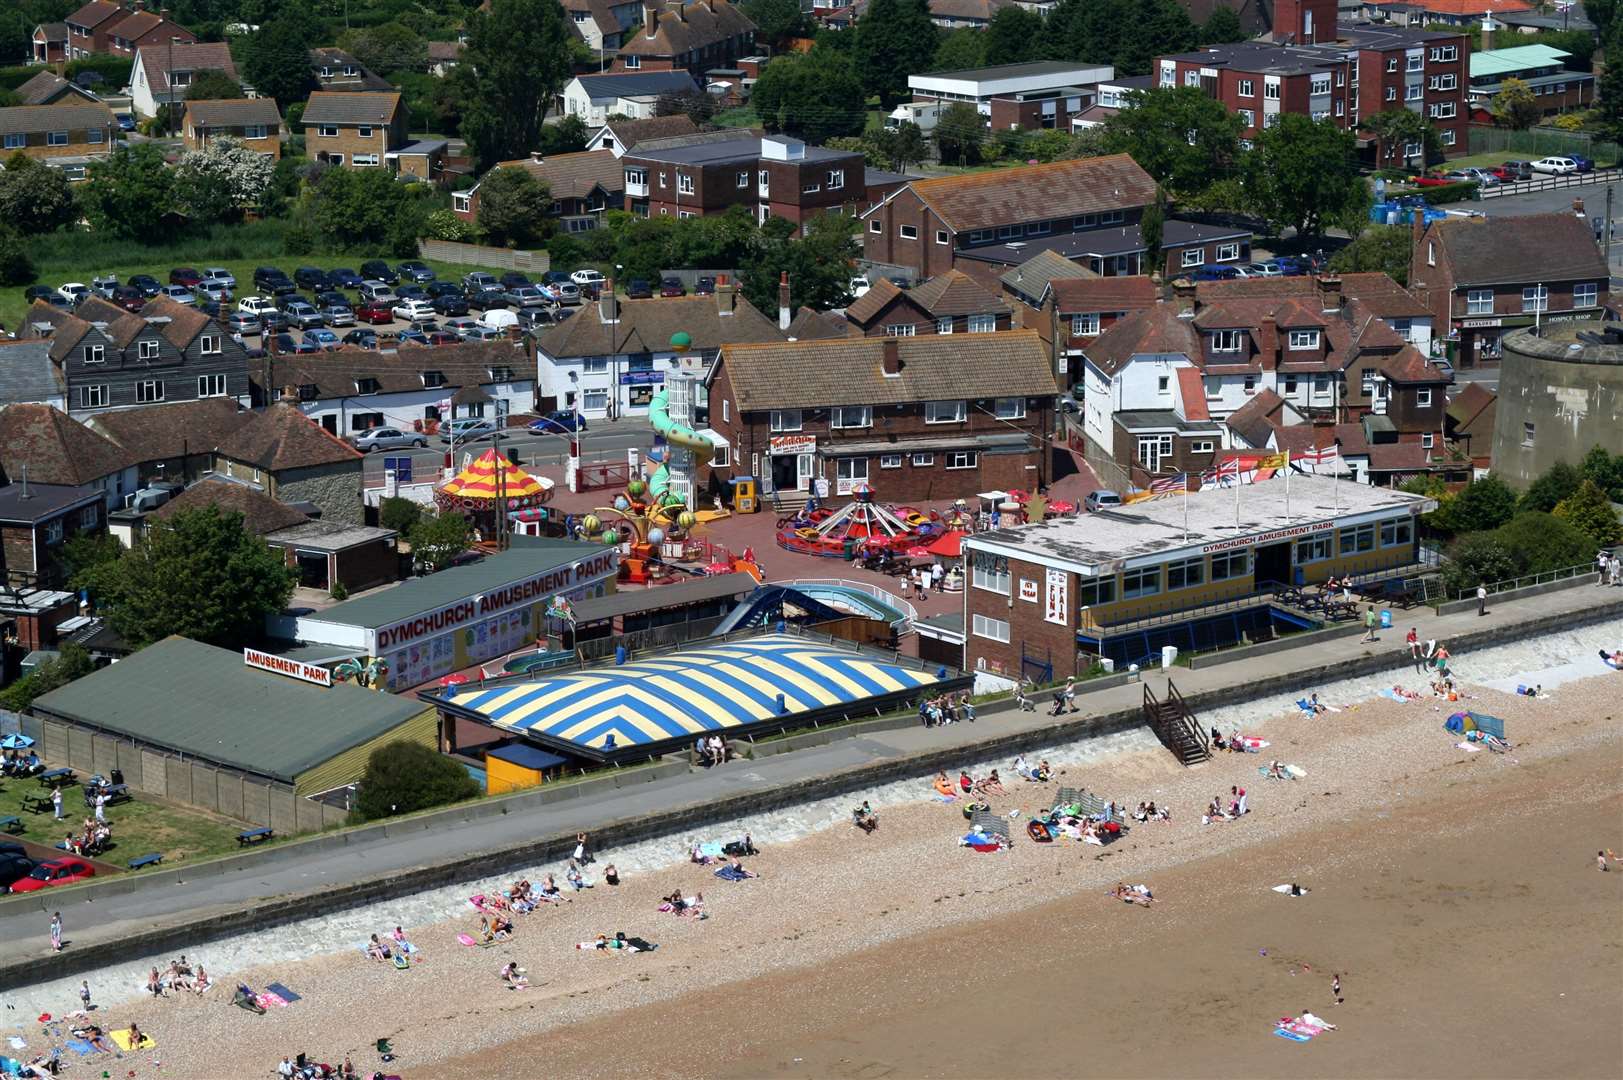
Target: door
column 1153, row 449
column 1273, row 563
column 785, row 473
column 805, row 468
column 329, row 423
column 849, row 473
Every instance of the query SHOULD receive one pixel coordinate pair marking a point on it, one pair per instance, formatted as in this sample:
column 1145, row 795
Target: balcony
column 637, row 189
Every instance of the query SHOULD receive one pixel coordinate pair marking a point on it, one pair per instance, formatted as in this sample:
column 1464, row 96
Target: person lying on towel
column 943, row 786
column 247, row 999
column 863, row 818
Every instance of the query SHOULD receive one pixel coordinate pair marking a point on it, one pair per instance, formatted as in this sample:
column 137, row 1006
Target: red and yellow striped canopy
column 492, row 476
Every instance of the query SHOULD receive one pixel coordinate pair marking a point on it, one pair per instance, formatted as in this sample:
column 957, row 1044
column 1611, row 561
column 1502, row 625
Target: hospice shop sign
column 518, row 594
column 281, row 665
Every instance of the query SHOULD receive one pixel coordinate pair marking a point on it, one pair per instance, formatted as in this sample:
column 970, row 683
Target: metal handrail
column 1526, row 580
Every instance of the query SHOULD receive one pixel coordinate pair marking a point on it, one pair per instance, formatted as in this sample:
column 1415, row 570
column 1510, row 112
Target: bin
column 1169, row 657
column 1108, row 664
column 1386, row 619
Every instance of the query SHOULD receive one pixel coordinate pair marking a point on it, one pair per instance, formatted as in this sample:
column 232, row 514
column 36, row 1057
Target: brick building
column 49, row 88
column 252, row 121
column 774, row 175
column 584, row 186
column 917, row 418
column 1078, row 310
column 89, row 28
column 950, row 303
column 140, row 29
column 50, row 43
column 64, row 136
column 355, row 128
column 289, row 457
column 164, row 72
column 36, row 522
column 697, row 36
column 1482, row 277
column 1555, row 87
column 50, row 447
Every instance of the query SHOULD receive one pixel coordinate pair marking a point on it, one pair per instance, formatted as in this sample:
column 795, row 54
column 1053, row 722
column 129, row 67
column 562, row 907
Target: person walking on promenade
column 1371, row 620
column 1481, row 600
column 56, row 932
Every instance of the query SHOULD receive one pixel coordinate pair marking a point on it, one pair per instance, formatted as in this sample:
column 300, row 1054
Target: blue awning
column 525, row 756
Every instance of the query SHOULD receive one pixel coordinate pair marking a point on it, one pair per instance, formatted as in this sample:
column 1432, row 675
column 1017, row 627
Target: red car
column 1431, row 181
column 52, row 872
column 184, row 275
column 376, row 313
column 442, row 338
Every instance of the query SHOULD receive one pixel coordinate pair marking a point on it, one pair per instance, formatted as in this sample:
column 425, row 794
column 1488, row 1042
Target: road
column 605, row 440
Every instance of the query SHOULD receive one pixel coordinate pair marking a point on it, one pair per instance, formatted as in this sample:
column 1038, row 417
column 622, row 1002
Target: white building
column 594, row 98
column 163, row 73
column 978, row 86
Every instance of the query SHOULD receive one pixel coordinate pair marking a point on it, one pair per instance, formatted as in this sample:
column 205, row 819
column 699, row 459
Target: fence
column 474, row 255
column 1550, row 183
column 600, row 475
column 1540, row 142
column 652, row 637
column 1527, row 581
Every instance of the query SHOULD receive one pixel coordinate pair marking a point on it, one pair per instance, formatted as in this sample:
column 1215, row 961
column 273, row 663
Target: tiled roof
column 956, row 293
column 27, row 373
column 48, row 86
column 1059, row 189
column 637, row 84
column 982, row 10
column 261, row 514
column 809, row 325
column 350, row 107
column 282, row 438
column 55, row 448
column 1383, row 297
column 1254, row 421
column 35, row 119
column 441, row 51
column 1383, row 457
column 137, row 25
column 94, row 13
column 1469, row 403
column 601, row 11
column 1085, row 295
column 55, row 32
column 1410, row 366
column 1192, row 388
column 337, row 60
column 1527, row 248
column 872, row 302
column 573, row 176
column 335, row 374
column 93, row 309
column 1156, row 329
column 156, row 432
column 1471, row 7
column 1032, row 277
column 235, row 112
column 158, row 60
column 933, row 367
column 690, row 28
column 646, row 326
column 631, row 132
column 184, row 323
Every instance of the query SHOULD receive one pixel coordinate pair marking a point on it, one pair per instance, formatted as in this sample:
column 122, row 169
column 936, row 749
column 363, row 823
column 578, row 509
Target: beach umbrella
column 16, row 742
column 456, row 679
column 1060, row 506
column 950, row 545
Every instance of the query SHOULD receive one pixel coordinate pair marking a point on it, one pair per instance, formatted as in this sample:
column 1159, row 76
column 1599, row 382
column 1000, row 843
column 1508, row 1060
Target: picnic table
column 38, row 804
column 150, row 859
column 11, row 825
column 56, row 776
column 116, row 793
column 255, row 836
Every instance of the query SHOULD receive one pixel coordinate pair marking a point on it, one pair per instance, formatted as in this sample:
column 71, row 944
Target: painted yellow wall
column 503, row 776
column 348, row 767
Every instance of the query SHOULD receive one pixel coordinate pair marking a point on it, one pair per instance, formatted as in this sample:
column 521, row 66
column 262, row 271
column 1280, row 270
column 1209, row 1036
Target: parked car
column 148, row 284
column 1471, row 173
column 256, row 305
column 388, row 438
column 337, row 315
column 1099, row 500
column 126, row 121
column 287, row 343
column 344, row 278
column 375, row 312
column 37, row 292
column 588, row 278
column 479, row 280
column 1555, row 166
column 243, row 325
column 311, row 277
column 363, row 337
column 74, row 292
column 104, row 285
column 460, row 323
column 1514, row 170
column 467, row 429
column 450, row 304
column 303, row 313
column 330, row 296
column 129, row 297
column 705, row 286
column 415, row 271
column 271, row 280
column 522, row 296
column 1584, row 164
column 323, row 339
column 1266, row 268
column 514, row 278
column 275, row 320
column 559, row 420
column 1431, row 180
column 378, row 270
column 220, row 273
column 672, row 286
column 475, row 331
column 373, row 291
column 412, row 310
column 488, row 299
column 639, row 289
column 535, row 317
column 185, row 275
column 13, row 868
column 411, row 336
column 443, row 337
column 437, row 289
column 207, row 290
column 53, row 872
column 180, row 294
column 561, row 292
column 1215, row 273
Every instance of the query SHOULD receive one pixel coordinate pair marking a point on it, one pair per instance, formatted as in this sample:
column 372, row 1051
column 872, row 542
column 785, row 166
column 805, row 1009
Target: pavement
column 605, row 441
column 286, row 871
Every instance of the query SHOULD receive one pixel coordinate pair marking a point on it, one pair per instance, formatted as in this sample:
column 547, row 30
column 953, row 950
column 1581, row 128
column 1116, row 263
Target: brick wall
column 336, row 489
column 1030, row 634
column 364, row 567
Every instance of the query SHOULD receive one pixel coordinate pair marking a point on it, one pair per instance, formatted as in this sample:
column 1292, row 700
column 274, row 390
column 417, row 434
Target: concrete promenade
column 260, row 889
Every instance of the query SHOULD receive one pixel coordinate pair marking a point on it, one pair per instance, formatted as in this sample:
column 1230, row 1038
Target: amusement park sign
column 470, row 609
column 281, row 665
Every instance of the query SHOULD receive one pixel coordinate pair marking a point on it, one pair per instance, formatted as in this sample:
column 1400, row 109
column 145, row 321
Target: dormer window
column 1304, row 339
column 95, row 354
column 1225, row 341
column 432, row 379
column 366, row 386
column 307, row 391
column 147, row 350
column 501, row 374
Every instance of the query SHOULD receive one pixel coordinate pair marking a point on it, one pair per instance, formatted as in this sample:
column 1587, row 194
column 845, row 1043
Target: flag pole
column 1287, row 485
column 1186, row 508
column 1236, row 493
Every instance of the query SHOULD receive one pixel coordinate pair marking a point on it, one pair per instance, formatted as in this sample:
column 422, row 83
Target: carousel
column 863, row 527
column 491, row 485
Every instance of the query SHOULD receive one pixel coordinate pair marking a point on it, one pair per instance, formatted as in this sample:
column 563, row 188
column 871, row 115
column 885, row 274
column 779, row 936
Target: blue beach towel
column 1293, row 1036
column 282, row 992
column 80, row 1046
column 729, row 874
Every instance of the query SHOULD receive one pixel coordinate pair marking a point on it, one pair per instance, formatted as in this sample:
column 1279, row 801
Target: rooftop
column 740, row 148
column 67, row 116
column 261, row 514
column 29, row 503
column 1059, row 189
column 328, row 536
column 1514, row 59
column 281, row 437
column 55, row 448
column 694, row 591
column 1062, row 70
column 27, row 373
column 636, row 84
column 1525, row 248
column 351, row 107
column 1146, row 532
column 646, row 326
column 235, row 112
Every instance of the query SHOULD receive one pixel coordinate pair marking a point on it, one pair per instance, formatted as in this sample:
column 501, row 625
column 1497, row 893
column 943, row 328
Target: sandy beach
column 1455, row 893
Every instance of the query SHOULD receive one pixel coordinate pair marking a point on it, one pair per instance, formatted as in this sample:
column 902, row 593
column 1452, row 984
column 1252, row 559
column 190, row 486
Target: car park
column 388, row 438
column 476, row 332
column 588, row 279
column 515, row 278
column 220, row 273
column 322, row 338
column 378, row 270
column 1215, row 273
column 53, row 872
column 450, row 304
column 412, row 310
column 561, row 292
column 336, row 314
column 129, row 298
column 310, row 277
column 146, row 283
column 412, row 336
column 443, row 288
column 415, row 271
column 460, row 323
column 375, row 311
column 243, row 325
column 672, row 286
column 344, row 278
column 521, row 296
column 74, row 292
column 1555, row 166
column 362, row 337
column 302, row 312
column 559, row 420
column 287, row 343
column 373, row 291
column 1101, row 499
column 705, row 286
column 330, row 296
column 212, row 291
column 639, row 289
column 103, row 286
column 467, row 429
column 185, row 275
column 256, row 305
column 180, row 294
column 479, row 280
column 493, row 299
column 412, row 292
column 271, row 280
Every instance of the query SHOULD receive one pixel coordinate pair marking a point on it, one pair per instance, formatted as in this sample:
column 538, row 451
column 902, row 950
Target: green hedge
column 116, row 70
column 1438, row 194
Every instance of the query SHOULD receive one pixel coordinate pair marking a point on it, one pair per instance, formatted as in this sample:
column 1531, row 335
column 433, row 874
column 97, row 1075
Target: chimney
column 608, row 304
column 536, row 156
column 677, row 9
column 785, row 314
column 890, row 362
column 1489, row 32
column 61, row 69
column 1183, row 291
column 1268, row 343
column 725, row 299
column 1330, row 298
column 650, row 19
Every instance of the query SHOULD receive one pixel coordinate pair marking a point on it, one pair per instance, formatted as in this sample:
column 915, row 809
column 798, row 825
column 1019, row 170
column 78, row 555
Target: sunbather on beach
column 611, row 875
column 943, row 786
column 1314, row 704
column 376, row 949
column 1045, row 771
column 864, row 818
column 513, row 976
column 155, row 984
column 200, row 982
column 576, row 878
column 965, row 784
column 738, row 868
column 1314, row 1021
column 991, row 785
column 1276, row 771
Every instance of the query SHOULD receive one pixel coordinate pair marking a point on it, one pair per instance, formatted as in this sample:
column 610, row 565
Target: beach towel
column 728, row 873
column 121, row 1039
column 269, row 1000
column 945, row 798
column 80, row 1046
column 17, row 1043
column 1252, row 743
column 283, row 992
column 1468, row 748
column 1293, row 1036
column 466, row 940
column 1392, row 695
column 1286, row 889
column 711, row 850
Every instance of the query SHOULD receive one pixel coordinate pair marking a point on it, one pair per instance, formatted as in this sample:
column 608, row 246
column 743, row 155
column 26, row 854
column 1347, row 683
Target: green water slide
column 674, row 434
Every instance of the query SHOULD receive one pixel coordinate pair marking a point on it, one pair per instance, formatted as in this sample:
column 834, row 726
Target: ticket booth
column 745, row 499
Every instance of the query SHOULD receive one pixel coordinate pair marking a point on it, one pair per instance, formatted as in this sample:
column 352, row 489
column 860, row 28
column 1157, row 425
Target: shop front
column 793, row 462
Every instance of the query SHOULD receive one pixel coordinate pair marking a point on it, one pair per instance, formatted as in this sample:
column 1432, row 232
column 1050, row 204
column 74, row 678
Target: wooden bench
column 11, row 825
column 255, row 836
column 56, row 776
column 37, row 804
column 150, row 859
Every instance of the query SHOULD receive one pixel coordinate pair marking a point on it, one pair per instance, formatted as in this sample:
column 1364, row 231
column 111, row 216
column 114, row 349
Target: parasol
column 16, row 742
column 950, row 545
column 1062, row 507
column 489, row 477
column 918, row 553
column 456, row 679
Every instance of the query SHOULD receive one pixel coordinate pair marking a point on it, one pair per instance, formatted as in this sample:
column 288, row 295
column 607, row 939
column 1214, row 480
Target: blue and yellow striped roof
column 686, row 694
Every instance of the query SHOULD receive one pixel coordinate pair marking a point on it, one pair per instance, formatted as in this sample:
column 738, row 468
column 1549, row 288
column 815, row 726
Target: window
column 783, row 420
column 908, row 232
column 1447, row 82
column 1010, row 408
column 876, row 226
column 594, row 400
column 364, row 131
column 209, row 344
column 1144, row 581
column 211, row 386
column 941, row 236
column 1341, row 77
column 1479, row 302
column 1250, row 384
column 1321, row 84
column 636, row 177
column 1186, row 574
column 367, row 386
column 1392, row 91
column 87, row 518
column 1010, row 232
column 1357, row 540
column 327, row 131
column 633, row 61
column 1091, row 592
column 1585, row 295
column 991, row 572
column 721, row 459
column 1163, row 384
column 901, row 330
column 1085, row 325
column 1086, row 221
column 1039, row 228
column 1304, row 339
column 1112, row 217
column 149, row 390
column 1536, row 298
column 726, row 410
column 1413, row 62
column 1200, row 446
column 993, row 629
column 1225, row 341
column 1443, row 110
column 595, row 365
column 684, row 183
column 963, row 459
column 146, row 350
column 1270, row 90
column 850, row 472
column 1230, row 565
column 945, row 412
column 1292, row 382
column 1246, row 88
column 93, row 135
column 1396, row 533
column 363, row 160
column 1191, row 77
column 943, row 326
column 982, row 324
column 308, row 392
column 93, row 396
column 1313, row 549
column 1247, row 117
column 1447, row 54
column 810, row 189
column 254, row 131
column 56, row 138
column 1528, row 433
column 15, row 141
column 853, row 416
column 1447, row 137
column 1422, row 398
column 1193, row 257
column 1228, row 252
column 1341, row 107
column 890, row 461
column 1413, row 92
column 433, row 379
column 1426, row 440
column 95, row 354
column 1391, row 63
column 53, row 531
column 1320, row 114
column 923, row 461
column 836, row 179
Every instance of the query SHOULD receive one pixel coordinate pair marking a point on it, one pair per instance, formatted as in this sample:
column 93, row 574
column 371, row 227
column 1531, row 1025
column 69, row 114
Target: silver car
column 338, row 315
column 528, row 296
column 303, row 314
column 243, row 324
column 388, row 438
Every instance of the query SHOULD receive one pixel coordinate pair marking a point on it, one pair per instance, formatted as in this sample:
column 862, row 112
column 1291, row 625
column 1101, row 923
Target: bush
column 16, row 268
column 1486, row 504
column 444, row 225
column 1438, row 194
column 339, row 592
column 1543, row 542
column 403, row 777
column 1478, row 558
column 1560, row 481
column 401, row 515
column 1590, row 512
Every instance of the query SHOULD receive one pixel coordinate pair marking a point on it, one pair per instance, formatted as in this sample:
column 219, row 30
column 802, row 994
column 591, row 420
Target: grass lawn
column 741, row 117
column 143, row 825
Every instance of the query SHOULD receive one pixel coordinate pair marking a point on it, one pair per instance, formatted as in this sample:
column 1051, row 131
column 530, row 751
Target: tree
column 1559, row 481
column 1396, row 131
column 361, row 207
column 72, row 662
column 900, row 146
column 1486, row 504
column 1382, row 248
column 276, row 59
column 200, row 574
column 1514, row 106
column 129, row 193
column 1609, row 95
column 401, row 515
column 963, row 49
column 894, row 39
column 1127, row 34
column 775, row 20
column 387, row 48
column 1606, row 470
column 1590, row 512
column 514, row 207
column 696, row 105
column 814, row 96
column 1302, row 173
column 1151, row 226
column 567, row 136
column 436, row 541
column 16, row 268
column 403, row 777
column 515, row 63
column 213, row 86
column 1477, row 559
column 1544, row 542
column 960, row 131
column 218, row 182
column 1179, row 135
column 1222, row 28
column 1013, row 36
column 34, row 198
column 819, row 265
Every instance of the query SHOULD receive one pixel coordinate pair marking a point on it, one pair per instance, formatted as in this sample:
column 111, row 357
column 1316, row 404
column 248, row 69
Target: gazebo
column 491, row 483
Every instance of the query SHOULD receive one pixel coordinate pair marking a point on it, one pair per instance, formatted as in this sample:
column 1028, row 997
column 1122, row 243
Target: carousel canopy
column 950, row 545
column 492, row 476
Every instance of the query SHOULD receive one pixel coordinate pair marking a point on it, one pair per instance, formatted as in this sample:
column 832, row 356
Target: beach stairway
column 1175, row 725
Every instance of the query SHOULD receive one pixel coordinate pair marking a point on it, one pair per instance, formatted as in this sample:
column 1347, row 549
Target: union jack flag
column 1225, row 471
column 1169, row 484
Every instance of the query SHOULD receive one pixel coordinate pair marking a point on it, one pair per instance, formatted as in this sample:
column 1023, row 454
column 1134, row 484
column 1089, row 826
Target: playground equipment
column 685, row 452
column 368, row 673
column 863, row 525
column 489, row 485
